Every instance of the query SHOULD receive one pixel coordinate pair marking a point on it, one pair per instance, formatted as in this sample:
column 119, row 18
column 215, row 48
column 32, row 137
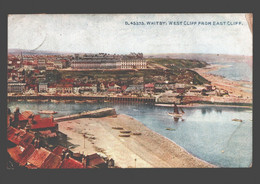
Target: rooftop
column 19, row 136
column 71, row 163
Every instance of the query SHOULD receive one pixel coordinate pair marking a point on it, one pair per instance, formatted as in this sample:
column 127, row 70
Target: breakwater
column 89, row 114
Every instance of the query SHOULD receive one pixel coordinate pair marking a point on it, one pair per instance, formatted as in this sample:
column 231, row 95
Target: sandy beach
column 235, row 88
column 148, row 150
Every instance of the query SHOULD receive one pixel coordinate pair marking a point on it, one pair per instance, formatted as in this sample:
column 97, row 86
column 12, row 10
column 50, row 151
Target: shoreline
column 236, row 88
column 162, row 153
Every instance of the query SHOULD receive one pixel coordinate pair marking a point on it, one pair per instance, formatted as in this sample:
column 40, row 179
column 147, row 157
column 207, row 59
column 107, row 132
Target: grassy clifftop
column 176, row 71
column 178, row 63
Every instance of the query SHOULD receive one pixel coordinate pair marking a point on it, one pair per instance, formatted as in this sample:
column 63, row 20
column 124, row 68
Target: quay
column 74, row 97
column 90, row 114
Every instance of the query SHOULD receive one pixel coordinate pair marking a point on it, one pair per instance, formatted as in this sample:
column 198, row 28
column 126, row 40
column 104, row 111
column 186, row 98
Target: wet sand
column 148, row 150
column 235, row 88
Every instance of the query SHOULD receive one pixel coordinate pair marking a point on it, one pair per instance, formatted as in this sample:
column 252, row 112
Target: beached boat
column 137, row 133
column 125, row 131
column 117, row 128
column 176, row 112
column 47, row 112
column 124, row 135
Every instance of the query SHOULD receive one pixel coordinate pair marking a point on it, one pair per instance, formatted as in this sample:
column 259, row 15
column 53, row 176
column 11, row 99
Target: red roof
column 37, row 71
column 95, row 160
column 20, row 154
column 70, row 163
column 43, row 123
column 38, row 157
column 52, row 162
column 124, row 87
column 150, row 85
column 58, row 150
column 25, row 115
column 19, row 136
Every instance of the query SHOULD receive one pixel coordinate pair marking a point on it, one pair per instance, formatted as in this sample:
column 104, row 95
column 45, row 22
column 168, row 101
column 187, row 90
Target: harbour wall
column 90, row 114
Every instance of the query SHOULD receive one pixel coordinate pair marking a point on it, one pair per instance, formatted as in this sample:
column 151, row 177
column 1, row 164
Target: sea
column 207, row 132
column 235, row 71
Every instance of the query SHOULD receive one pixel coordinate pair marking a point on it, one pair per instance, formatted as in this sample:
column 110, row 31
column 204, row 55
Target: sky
column 109, row 33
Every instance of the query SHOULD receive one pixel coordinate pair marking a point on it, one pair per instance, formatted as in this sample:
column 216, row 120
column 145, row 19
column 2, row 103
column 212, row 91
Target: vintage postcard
column 129, row 91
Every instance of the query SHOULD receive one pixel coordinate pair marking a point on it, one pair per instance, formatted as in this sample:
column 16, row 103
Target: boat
column 124, row 135
column 91, row 101
column 32, row 100
column 137, row 133
column 239, row 120
column 46, row 100
column 79, row 101
column 176, row 112
column 47, row 112
column 117, row 128
column 171, row 129
column 125, row 131
column 55, row 101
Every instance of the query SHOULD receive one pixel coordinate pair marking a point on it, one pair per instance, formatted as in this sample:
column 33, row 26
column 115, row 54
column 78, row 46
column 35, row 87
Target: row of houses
column 87, row 61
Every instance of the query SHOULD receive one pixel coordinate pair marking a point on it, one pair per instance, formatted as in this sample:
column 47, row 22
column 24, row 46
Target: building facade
column 16, row 87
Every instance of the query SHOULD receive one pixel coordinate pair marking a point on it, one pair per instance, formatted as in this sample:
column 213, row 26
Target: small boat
column 91, row 101
column 176, row 112
column 117, row 128
column 124, row 135
column 79, row 101
column 125, row 131
column 46, row 100
column 47, row 112
column 32, row 100
column 137, row 133
column 55, row 101
column 239, row 120
column 171, row 129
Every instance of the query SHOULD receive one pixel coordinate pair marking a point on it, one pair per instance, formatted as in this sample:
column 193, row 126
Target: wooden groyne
column 90, row 114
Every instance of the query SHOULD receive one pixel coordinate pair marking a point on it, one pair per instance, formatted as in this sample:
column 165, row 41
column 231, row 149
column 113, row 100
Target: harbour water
column 207, row 132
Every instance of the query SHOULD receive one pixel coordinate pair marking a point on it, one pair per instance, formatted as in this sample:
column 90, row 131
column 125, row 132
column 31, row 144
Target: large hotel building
column 107, row 61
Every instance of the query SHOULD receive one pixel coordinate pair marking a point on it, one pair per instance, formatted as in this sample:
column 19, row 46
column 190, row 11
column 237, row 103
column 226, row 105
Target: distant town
column 162, row 80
